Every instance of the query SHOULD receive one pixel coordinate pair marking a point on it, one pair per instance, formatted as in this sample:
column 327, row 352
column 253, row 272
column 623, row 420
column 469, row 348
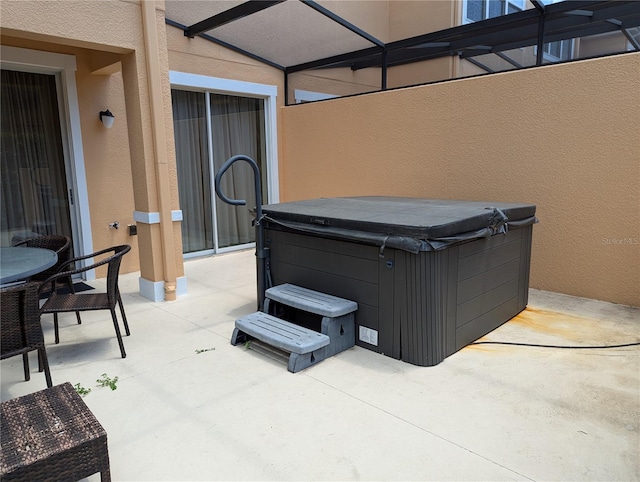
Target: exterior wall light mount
column 106, row 117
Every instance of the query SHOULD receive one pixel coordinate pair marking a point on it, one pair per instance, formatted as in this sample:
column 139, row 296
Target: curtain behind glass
column 194, row 175
column 237, row 128
column 33, row 187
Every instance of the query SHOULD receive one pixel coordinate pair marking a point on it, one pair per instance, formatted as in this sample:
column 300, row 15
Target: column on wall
column 157, row 213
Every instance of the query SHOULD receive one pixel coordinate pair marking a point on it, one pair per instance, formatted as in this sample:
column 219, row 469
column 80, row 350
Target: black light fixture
column 106, row 117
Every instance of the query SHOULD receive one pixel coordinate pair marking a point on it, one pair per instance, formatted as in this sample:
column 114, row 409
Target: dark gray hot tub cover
column 408, row 224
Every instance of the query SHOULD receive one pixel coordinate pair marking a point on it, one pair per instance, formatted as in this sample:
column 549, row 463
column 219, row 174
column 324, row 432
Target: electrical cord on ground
column 554, row 346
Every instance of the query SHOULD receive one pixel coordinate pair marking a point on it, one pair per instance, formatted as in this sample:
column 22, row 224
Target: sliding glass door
column 33, row 185
column 209, row 129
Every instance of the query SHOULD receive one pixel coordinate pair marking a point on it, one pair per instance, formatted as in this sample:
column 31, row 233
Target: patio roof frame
column 537, row 26
column 534, row 27
column 226, row 44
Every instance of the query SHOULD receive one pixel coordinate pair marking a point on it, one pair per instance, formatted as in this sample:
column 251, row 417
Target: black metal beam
column 227, row 45
column 582, row 13
column 540, row 6
column 336, row 18
column 481, row 65
column 397, row 58
column 431, row 45
column 631, row 39
column 626, row 12
column 449, row 42
column 540, row 40
column 384, row 70
column 506, row 58
column 235, row 13
column 407, row 56
column 286, row 88
column 511, row 31
column 336, row 60
column 471, row 30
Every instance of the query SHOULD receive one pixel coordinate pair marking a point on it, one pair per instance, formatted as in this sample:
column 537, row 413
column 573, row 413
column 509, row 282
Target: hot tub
column 429, row 276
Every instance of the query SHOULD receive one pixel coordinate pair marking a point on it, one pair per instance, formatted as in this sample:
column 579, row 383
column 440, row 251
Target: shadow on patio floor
column 189, row 406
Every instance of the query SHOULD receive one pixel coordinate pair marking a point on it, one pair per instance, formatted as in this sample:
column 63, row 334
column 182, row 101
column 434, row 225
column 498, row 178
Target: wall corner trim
column 154, row 218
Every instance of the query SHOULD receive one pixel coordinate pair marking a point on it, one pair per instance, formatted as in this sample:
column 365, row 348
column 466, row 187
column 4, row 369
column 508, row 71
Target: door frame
column 268, row 93
column 63, row 66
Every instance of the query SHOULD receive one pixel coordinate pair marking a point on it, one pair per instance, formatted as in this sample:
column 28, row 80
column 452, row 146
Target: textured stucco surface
column 563, row 137
column 120, row 162
column 111, row 26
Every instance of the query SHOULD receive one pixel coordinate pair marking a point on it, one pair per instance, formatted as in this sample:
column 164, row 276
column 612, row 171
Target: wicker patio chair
column 20, row 329
column 62, row 246
column 64, row 303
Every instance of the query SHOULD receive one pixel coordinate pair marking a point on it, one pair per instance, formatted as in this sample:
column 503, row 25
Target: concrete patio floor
column 488, row 412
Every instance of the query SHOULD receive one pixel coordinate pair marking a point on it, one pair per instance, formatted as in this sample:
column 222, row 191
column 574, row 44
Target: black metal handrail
column 261, row 251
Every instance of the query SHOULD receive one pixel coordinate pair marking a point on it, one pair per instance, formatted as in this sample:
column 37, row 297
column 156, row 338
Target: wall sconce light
column 106, row 117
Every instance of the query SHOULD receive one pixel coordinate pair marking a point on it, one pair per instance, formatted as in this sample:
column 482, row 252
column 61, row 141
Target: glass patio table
column 19, row 263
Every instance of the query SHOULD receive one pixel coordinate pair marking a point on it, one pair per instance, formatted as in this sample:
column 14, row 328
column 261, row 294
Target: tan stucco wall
column 409, row 18
column 112, row 26
column 421, row 72
column 563, row 137
column 602, row 44
column 199, row 56
column 107, row 161
column 120, row 162
column 106, row 151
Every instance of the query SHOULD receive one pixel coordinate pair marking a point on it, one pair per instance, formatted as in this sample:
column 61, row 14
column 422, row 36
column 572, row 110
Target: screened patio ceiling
column 298, row 35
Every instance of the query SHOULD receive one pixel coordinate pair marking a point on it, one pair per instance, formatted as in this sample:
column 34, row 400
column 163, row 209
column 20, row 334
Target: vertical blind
column 237, row 127
column 33, row 187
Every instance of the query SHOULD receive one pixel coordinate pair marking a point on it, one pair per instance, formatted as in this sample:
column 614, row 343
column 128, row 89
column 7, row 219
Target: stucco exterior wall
column 113, row 26
column 106, row 151
column 408, row 18
column 122, row 164
column 564, row 137
column 199, row 56
column 107, row 161
column 421, row 72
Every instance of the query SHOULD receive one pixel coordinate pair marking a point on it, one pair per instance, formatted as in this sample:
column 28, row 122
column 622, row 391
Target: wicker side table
column 51, row 435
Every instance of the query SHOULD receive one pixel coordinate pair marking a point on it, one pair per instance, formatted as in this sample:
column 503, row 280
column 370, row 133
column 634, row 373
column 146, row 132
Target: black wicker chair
column 20, row 329
column 62, row 246
column 64, row 303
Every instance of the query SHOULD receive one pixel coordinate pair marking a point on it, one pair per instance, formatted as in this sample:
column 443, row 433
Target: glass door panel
column 209, row 129
column 237, row 127
column 194, row 174
column 33, row 186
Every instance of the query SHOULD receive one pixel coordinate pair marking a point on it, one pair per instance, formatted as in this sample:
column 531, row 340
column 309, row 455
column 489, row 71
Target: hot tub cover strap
column 499, row 224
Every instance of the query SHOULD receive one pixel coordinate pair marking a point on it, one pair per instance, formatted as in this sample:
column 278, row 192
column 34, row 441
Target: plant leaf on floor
column 202, row 350
column 80, row 390
column 106, row 381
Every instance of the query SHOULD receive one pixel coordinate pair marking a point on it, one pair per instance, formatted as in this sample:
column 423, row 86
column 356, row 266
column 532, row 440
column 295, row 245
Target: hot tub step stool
column 305, row 347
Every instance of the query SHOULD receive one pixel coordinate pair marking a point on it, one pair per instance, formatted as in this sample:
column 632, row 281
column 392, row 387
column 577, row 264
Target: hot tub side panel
column 444, row 300
column 420, row 314
column 350, row 270
column 419, row 308
column 492, row 284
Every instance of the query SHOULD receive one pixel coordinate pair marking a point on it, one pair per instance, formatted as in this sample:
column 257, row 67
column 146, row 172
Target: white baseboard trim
column 154, row 290
column 181, row 286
